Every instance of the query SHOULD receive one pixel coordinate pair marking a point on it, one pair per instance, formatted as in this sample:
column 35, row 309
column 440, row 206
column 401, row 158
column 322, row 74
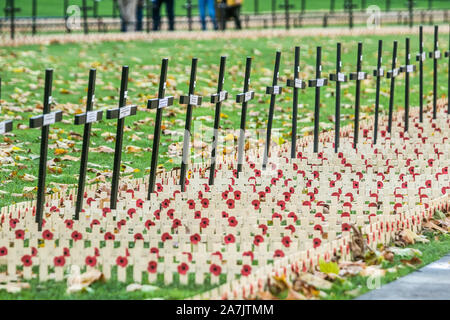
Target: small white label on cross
column 410, row 68
column 276, row 90
column 91, row 116
column 341, row 77
column 50, row 99
column 248, row 96
column 381, row 72
column 2, row 128
column 193, row 99
column 360, row 75
column 319, row 82
column 125, row 95
column 298, row 83
column 424, row 56
column 395, row 72
column 164, row 102
column 124, row 112
column 437, row 54
column 49, row 118
column 222, row 95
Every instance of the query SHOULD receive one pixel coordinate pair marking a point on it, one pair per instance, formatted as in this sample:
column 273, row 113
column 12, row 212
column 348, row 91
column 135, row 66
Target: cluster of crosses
column 192, row 100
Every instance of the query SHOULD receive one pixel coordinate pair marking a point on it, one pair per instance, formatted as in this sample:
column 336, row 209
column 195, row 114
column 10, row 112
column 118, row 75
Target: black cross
column 274, row 16
column 358, row 76
column 244, row 98
column 411, row 12
column 120, row 114
column 435, row 55
column 191, row 100
column 12, row 10
column 378, row 73
column 392, row 74
column 34, row 15
column 421, row 58
column 287, row 6
column 217, row 98
column 317, row 83
column 447, row 55
column 5, row 126
column 407, row 69
column 274, row 90
column 87, row 119
column 338, row 77
column 44, row 121
column 189, row 6
column 159, row 104
column 296, row 84
column 348, row 4
column 85, row 9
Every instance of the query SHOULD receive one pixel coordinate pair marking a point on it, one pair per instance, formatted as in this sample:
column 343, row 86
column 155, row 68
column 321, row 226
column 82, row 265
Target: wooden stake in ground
column 317, row 83
column 358, row 76
column 191, row 100
column 407, row 69
column 421, row 58
column 378, row 73
column 338, row 77
column 120, row 114
column 244, row 98
column 274, row 90
column 87, row 119
column 296, row 84
column 159, row 104
column 217, row 98
column 44, row 121
column 392, row 74
column 436, row 55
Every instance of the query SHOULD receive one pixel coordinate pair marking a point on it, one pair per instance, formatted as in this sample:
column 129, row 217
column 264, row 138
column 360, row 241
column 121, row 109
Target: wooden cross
column 357, row 76
column 274, row 90
column 11, row 9
column 317, row 83
column 392, row 74
column 296, row 84
column 435, row 55
column 159, row 104
column 407, row 69
column 191, row 100
column 217, row 98
column 120, row 114
column 44, row 121
column 338, row 77
column 378, row 73
column 421, row 58
column 244, row 98
column 87, row 119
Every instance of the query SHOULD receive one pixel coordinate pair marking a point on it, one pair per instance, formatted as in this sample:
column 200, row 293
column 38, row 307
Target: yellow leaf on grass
column 59, row 151
column 328, row 267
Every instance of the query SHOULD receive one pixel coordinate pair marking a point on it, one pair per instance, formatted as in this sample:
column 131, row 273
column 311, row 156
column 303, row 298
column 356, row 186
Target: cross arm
column 339, row 77
column 447, row 54
column 435, row 54
column 192, row 99
column 274, row 90
column 160, row 103
column 45, row 119
column 120, row 113
column 245, row 96
column 318, row 82
column 393, row 73
column 358, row 75
column 296, row 83
column 89, row 117
column 421, row 56
column 6, row 126
column 408, row 68
column 219, row 97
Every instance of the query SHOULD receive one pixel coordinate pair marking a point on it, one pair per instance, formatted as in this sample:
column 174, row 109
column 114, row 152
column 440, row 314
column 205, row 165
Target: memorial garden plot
column 261, row 209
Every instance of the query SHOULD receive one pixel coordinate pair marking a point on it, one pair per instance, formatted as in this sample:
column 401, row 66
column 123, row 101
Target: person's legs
column 170, row 14
column 156, row 14
column 237, row 19
column 212, row 13
column 139, row 16
column 202, row 11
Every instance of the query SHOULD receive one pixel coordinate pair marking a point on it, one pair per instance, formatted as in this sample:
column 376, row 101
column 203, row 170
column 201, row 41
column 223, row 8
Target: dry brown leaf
column 103, row 149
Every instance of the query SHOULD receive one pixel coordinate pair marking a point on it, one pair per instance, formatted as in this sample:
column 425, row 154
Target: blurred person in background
column 157, row 14
column 232, row 9
column 202, row 6
column 139, row 14
column 127, row 10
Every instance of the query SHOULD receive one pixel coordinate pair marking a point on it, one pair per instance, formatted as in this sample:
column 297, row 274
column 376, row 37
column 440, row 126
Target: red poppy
column 230, row 203
column 122, row 261
column 59, row 261
column 264, row 228
column 166, row 236
column 258, row 239
column 215, row 269
column 20, row 234
column 191, row 204
column 109, row 236
column 159, row 187
column 428, row 183
column 105, row 211
column 154, row 250
column 237, row 195
column 229, row 238
column 379, row 184
column 355, row 184
column 94, row 222
column 76, row 236
column 225, row 195
column 346, row 227
column 232, row 222
column 183, row 268
column 13, row 223
column 281, row 204
column 138, row 236
column 89, row 200
column 287, row 196
column 218, row 253
column 316, row 242
column 26, row 260
column 204, row 222
column 255, row 204
column 224, row 214
column 149, row 223
column 47, row 235
column 66, row 252
column 3, row 251
column 246, row 270
column 286, row 241
column 121, row 223
column 293, row 216
column 69, row 223
column 97, row 252
column 273, row 181
column 290, row 228
column 195, row 238
column 261, row 195
column 278, row 253
column 54, row 209
column 90, row 261
column 156, row 214
column 152, row 267
column 131, row 212
column 176, row 223
column 139, row 203
column 170, row 213
column 205, row 203
column 197, row 214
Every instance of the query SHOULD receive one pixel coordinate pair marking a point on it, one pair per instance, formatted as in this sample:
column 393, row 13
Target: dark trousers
column 233, row 12
column 157, row 14
column 139, row 17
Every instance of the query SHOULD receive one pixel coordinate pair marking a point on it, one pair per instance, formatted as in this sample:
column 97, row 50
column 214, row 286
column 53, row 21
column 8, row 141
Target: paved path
column 429, row 283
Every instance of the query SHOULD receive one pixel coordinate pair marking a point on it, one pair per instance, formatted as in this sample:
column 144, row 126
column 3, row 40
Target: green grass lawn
column 49, row 8
column 22, row 70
